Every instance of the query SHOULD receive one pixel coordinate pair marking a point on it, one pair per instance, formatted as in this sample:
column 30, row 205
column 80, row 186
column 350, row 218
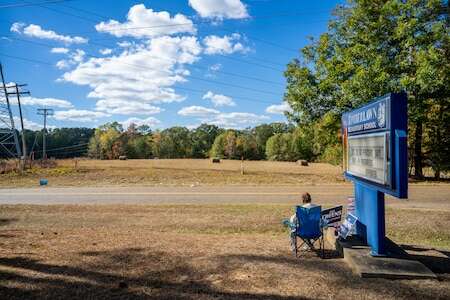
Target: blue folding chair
column 309, row 228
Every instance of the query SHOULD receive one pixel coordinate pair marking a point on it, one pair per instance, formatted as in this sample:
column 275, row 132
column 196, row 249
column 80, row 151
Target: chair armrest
column 288, row 224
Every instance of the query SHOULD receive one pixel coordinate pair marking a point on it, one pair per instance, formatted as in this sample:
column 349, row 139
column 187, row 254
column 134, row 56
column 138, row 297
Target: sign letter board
column 374, row 140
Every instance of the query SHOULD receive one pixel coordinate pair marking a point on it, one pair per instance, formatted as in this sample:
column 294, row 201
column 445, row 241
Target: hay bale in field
column 3, row 167
column 122, row 157
column 215, row 160
column 302, row 162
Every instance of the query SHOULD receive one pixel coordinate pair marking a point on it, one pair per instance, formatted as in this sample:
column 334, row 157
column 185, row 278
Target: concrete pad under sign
column 397, row 265
column 367, row 266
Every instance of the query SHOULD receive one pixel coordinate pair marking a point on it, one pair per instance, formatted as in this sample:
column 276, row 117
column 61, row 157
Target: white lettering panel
column 367, row 157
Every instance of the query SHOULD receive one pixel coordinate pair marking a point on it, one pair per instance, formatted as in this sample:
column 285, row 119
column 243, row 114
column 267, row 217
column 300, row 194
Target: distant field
column 175, row 172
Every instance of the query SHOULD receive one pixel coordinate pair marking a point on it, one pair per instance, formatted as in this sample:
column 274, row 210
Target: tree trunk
column 418, row 150
column 437, row 174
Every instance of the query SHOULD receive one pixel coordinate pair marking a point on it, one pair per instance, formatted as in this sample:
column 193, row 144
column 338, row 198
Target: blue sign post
column 375, row 159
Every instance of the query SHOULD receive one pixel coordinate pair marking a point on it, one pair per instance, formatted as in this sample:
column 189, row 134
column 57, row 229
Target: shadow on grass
column 437, row 261
column 7, row 221
column 158, row 284
column 4, row 222
column 136, row 273
column 413, row 179
column 340, row 277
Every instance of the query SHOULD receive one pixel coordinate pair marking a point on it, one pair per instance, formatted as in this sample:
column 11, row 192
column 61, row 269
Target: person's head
column 306, row 198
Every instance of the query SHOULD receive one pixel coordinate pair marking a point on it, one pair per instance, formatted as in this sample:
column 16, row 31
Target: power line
column 218, row 71
column 18, row 92
column 193, row 66
column 238, row 98
column 63, row 12
column 264, row 41
column 218, row 54
column 27, row 59
column 177, row 87
column 45, row 112
column 206, row 21
column 66, row 147
column 8, row 135
column 171, row 25
column 149, row 68
column 33, row 3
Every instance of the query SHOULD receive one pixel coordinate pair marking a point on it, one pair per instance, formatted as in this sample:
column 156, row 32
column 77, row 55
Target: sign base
column 369, row 209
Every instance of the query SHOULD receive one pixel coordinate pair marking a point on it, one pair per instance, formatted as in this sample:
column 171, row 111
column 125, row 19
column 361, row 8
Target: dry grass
column 189, row 252
column 175, row 172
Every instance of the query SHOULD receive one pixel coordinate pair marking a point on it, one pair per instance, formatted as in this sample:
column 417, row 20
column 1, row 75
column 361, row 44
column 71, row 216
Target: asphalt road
column 420, row 196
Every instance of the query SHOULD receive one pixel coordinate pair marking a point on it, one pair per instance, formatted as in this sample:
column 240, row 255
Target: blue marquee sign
column 375, row 159
column 371, row 117
column 375, row 149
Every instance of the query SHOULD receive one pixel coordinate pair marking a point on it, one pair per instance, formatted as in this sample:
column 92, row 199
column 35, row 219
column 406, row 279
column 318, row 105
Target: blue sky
column 161, row 63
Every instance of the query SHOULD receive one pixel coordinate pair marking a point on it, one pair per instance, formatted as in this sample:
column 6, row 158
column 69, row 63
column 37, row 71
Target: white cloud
column 218, row 99
column 215, row 67
column 28, row 124
column 236, row 120
column 279, row 109
column 79, row 115
column 36, row 31
column 140, row 19
column 17, row 27
column 75, row 57
column 220, row 9
column 63, row 64
column 121, row 107
column 150, row 121
column 145, row 73
column 59, row 50
column 106, row 51
column 224, row 45
column 124, row 44
column 78, row 55
column 197, row 111
column 10, row 87
column 226, row 120
column 50, row 102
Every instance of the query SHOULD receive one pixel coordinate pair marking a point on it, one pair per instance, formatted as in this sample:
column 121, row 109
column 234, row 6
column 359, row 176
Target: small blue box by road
column 43, row 182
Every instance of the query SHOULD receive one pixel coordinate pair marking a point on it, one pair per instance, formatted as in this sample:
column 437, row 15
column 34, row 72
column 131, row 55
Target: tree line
column 275, row 141
column 61, row 143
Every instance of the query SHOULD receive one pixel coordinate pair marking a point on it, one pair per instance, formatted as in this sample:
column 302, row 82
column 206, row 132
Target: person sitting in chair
column 306, row 202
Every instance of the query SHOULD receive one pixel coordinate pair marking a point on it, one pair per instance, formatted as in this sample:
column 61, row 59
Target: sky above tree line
column 159, row 63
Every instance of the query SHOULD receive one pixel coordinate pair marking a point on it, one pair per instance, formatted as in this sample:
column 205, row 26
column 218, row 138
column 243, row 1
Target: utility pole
column 18, row 93
column 44, row 112
column 8, row 135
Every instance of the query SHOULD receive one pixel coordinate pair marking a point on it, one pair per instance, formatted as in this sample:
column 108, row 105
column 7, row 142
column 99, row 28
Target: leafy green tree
column 230, row 149
column 224, row 145
column 175, row 143
column 437, row 139
column 280, row 147
column 218, row 147
column 246, row 146
column 262, row 133
column 373, row 48
column 303, row 143
column 106, row 143
column 202, row 140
